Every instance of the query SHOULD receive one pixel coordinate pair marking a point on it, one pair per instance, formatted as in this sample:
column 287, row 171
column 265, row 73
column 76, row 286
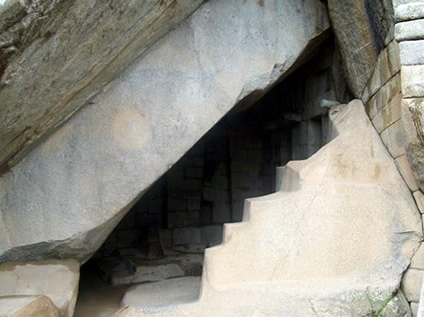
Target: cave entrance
column 166, row 232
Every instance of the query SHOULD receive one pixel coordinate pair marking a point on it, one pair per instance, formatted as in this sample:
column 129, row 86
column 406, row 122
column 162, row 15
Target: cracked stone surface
column 56, row 54
column 65, row 197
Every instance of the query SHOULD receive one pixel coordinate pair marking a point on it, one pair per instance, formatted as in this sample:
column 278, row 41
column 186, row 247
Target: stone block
column 183, row 219
column 221, row 213
column 193, row 203
column 398, row 306
column 414, row 309
column 206, row 213
column 412, row 109
column 374, row 104
column 197, row 161
column 147, row 273
column 411, row 284
column 375, row 80
column 244, row 166
column 239, row 179
column 191, row 184
column 394, row 139
column 27, row 306
column 412, row 52
column 392, row 111
column 378, row 122
column 406, row 172
column 220, row 182
column 155, row 206
column 211, row 194
column 237, row 212
column 412, row 81
column 160, row 294
column 393, row 55
column 390, row 90
column 417, row 261
column 419, row 199
column 211, row 235
column 366, row 93
column 181, row 236
column 390, row 35
column 190, row 248
column 385, row 69
column 175, row 204
column 409, row 11
column 193, row 172
column 410, row 30
column 55, row 279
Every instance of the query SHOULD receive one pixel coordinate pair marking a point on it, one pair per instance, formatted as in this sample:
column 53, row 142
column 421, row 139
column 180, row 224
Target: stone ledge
column 412, row 52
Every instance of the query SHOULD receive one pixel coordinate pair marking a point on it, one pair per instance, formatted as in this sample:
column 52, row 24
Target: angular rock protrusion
column 68, row 194
column 334, row 244
column 58, row 280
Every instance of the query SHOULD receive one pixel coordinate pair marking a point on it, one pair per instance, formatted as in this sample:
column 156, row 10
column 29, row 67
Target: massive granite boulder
column 56, row 54
column 64, row 198
column 361, row 28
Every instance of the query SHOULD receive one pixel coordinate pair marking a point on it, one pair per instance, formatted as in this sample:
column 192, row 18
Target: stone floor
column 96, row 298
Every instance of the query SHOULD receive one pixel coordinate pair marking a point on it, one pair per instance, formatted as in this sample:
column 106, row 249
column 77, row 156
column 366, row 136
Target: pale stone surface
column 417, row 261
column 134, row 268
column 388, row 115
column 419, row 199
column 320, row 246
column 414, row 309
column 55, row 279
column 412, row 52
column 412, row 283
column 384, row 79
column 359, row 22
column 413, row 122
column 67, row 195
column 406, row 172
column 420, row 310
column 27, row 306
column 409, row 11
column 176, row 291
column 413, row 81
column 410, row 30
column 148, row 274
column 394, row 139
column 57, row 54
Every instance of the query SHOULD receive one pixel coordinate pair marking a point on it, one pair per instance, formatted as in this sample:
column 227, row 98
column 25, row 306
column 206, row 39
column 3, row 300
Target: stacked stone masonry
column 394, row 102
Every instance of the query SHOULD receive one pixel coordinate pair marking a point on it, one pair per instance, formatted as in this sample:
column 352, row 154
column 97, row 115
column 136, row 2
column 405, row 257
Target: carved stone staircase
column 334, row 240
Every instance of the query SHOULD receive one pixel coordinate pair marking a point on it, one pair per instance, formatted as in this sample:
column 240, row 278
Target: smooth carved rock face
column 57, row 54
column 332, row 242
column 58, row 280
column 66, row 196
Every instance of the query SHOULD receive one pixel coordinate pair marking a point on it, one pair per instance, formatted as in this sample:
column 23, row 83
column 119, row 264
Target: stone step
column 175, row 291
column 133, row 268
column 27, row 305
